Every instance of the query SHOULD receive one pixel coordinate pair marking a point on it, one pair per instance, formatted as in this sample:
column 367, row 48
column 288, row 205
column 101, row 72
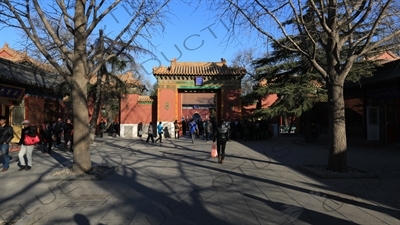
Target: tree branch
column 95, row 21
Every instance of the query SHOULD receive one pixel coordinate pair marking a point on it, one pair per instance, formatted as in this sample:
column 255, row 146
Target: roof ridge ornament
column 173, row 62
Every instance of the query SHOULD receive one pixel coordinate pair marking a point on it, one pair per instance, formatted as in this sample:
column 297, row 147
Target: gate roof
column 198, row 69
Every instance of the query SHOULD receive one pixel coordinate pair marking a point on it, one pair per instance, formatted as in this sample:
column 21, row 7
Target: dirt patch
column 97, row 173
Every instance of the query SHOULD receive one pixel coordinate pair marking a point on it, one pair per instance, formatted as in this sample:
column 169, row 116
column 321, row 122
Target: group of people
column 219, row 134
column 205, row 129
column 250, row 130
column 56, row 132
column 113, row 128
column 192, row 127
column 150, row 134
column 46, row 135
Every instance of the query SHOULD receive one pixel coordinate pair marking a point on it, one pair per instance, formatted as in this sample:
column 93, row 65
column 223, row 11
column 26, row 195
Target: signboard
column 11, row 92
column 198, row 81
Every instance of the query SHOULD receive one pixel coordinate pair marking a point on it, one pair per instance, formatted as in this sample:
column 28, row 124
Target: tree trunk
column 82, row 162
column 97, row 97
column 97, row 106
column 337, row 128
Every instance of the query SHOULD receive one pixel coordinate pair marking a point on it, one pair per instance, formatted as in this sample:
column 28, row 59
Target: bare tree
column 346, row 30
column 81, row 19
column 108, row 87
column 244, row 59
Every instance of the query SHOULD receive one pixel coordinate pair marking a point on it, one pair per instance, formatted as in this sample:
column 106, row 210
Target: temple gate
column 202, row 78
column 176, row 84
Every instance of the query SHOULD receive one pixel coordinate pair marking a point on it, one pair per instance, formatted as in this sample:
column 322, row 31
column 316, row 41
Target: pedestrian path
column 177, row 182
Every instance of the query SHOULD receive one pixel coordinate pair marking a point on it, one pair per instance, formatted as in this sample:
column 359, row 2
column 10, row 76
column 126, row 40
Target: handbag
column 28, row 140
column 214, row 153
column 140, row 132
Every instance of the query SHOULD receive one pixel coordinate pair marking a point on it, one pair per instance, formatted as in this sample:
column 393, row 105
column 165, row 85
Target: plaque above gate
column 198, row 81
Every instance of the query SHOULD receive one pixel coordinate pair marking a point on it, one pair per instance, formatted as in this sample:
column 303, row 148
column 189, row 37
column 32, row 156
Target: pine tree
column 298, row 85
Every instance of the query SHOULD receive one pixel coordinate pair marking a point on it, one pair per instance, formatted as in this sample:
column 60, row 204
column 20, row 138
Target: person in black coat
column 184, row 126
column 68, row 129
column 221, row 137
column 115, row 126
column 102, row 127
column 6, row 135
column 58, row 126
column 47, row 137
column 140, row 129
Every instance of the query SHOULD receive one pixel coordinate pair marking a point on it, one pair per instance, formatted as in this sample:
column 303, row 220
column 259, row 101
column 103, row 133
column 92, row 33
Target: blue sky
column 191, row 35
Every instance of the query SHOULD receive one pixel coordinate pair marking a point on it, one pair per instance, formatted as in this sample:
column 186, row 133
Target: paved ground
column 179, row 183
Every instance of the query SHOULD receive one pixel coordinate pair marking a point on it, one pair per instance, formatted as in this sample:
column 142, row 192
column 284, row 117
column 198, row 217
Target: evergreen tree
column 296, row 82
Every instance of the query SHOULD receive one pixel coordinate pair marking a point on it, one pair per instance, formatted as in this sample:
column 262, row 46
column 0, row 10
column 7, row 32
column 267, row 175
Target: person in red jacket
column 26, row 148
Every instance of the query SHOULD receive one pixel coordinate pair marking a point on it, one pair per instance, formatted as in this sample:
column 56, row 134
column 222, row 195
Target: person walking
column 26, row 148
column 209, row 129
column 200, row 127
column 68, row 129
column 193, row 129
column 116, row 128
column 58, row 126
column 160, row 132
column 177, row 128
column 150, row 133
column 102, row 127
column 47, row 137
column 221, row 137
column 184, row 126
column 140, row 129
column 6, row 135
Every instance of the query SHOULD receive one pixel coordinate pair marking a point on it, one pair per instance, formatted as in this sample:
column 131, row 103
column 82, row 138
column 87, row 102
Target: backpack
column 193, row 127
column 222, row 133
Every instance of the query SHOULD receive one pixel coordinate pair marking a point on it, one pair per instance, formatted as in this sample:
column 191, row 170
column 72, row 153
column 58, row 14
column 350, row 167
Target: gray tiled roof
column 15, row 73
column 388, row 73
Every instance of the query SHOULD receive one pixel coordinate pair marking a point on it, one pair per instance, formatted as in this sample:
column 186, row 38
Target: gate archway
column 198, row 77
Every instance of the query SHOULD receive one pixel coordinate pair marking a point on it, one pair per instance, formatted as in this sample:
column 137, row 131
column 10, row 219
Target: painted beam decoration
column 11, row 92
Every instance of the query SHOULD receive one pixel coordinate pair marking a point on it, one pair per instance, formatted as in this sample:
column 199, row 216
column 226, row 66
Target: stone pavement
column 177, row 182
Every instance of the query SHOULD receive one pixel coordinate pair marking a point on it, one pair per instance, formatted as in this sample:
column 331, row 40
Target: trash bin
column 274, row 130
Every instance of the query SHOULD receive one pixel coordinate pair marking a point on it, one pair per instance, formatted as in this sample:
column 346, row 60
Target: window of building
column 17, row 113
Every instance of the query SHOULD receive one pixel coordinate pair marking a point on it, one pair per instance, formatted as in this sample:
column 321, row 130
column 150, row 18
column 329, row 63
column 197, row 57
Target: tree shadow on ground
column 142, row 193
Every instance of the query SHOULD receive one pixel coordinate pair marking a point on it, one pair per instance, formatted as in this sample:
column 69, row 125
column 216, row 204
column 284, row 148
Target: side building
column 373, row 105
column 28, row 90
